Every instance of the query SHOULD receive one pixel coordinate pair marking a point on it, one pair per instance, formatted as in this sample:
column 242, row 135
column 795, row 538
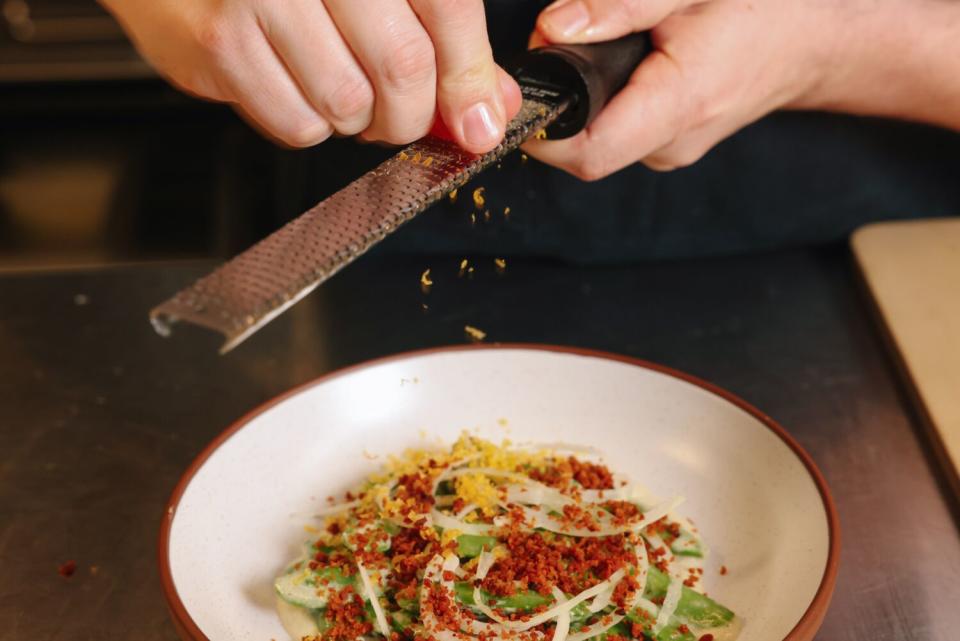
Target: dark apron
column 791, row 179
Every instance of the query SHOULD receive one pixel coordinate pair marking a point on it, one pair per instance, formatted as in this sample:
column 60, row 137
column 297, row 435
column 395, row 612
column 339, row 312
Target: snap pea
column 522, row 601
column 694, row 608
column 471, row 545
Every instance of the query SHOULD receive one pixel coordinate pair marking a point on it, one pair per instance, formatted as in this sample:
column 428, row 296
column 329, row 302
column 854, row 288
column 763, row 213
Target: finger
column 308, row 41
column 468, row 86
column 264, row 89
column 512, row 98
column 398, row 57
column 596, row 20
column 645, row 116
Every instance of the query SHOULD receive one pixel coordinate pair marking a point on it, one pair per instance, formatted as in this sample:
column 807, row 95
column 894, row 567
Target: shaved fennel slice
column 448, row 522
column 521, row 626
column 643, row 569
column 563, row 620
column 374, row 601
column 549, row 523
column 677, row 567
column 632, row 492
column 537, row 494
column 603, row 599
column 560, row 447
column 468, row 625
column 336, row 509
column 484, row 562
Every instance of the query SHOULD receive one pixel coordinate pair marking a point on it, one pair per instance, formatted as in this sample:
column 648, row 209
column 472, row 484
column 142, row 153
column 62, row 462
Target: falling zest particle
column 524, row 158
column 478, row 200
column 486, row 215
column 473, row 218
column 500, row 265
column 464, row 264
column 453, row 196
column 474, row 334
column 425, row 282
column 541, row 135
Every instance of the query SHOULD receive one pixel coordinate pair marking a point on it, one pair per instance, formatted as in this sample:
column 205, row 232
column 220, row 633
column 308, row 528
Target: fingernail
column 479, row 127
column 566, row 18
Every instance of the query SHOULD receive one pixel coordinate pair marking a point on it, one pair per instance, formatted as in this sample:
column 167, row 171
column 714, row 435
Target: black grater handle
column 591, row 74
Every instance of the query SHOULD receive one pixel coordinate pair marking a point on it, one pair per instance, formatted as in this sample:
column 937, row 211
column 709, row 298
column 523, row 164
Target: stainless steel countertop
column 99, row 416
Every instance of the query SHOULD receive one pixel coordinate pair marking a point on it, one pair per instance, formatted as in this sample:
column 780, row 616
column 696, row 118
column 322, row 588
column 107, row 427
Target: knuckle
column 410, row 63
column 306, row 133
column 627, row 10
column 406, row 133
column 473, row 79
column 591, row 167
column 213, row 36
column 351, row 102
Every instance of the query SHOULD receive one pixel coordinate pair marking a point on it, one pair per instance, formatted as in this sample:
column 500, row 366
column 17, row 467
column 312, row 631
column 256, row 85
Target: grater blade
column 258, row 285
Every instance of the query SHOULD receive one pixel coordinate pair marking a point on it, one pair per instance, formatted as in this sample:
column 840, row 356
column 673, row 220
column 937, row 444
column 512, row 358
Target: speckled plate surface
column 762, row 507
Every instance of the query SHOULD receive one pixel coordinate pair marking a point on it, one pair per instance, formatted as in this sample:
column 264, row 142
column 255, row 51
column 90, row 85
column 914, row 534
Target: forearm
column 895, row 58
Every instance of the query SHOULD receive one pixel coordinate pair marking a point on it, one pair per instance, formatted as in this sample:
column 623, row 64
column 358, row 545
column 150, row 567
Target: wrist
column 898, row 60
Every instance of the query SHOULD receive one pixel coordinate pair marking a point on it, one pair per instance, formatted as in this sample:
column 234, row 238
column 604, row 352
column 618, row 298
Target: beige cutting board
column 912, row 269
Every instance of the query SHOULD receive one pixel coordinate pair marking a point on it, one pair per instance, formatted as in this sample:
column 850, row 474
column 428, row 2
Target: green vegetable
column 471, row 545
column 515, row 602
column 310, row 588
column 693, row 609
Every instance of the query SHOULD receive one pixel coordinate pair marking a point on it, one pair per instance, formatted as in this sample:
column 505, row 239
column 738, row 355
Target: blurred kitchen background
column 101, row 161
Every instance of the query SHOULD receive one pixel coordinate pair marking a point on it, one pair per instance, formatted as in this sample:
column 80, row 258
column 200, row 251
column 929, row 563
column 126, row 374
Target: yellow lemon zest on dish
column 449, row 536
column 479, row 490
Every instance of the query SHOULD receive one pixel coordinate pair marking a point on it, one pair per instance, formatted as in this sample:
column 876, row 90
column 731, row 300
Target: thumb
column 597, row 20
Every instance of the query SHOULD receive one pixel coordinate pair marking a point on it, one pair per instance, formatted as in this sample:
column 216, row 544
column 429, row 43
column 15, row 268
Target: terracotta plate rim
column 802, row 631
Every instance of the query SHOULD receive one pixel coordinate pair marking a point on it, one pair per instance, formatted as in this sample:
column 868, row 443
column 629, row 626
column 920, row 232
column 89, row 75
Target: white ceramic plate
column 763, row 509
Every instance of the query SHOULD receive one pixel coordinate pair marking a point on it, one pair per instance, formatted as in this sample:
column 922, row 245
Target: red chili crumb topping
column 590, row 476
column 538, row 562
column 67, row 570
column 623, row 512
column 414, row 491
column 345, row 616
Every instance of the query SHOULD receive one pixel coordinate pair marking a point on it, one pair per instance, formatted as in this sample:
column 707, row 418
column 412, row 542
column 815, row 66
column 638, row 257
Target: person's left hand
column 718, row 66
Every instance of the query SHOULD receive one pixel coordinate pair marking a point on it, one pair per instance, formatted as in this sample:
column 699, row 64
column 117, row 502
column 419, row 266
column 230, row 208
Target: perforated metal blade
column 255, row 287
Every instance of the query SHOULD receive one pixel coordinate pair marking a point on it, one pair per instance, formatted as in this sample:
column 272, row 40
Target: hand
column 305, row 69
column 718, row 66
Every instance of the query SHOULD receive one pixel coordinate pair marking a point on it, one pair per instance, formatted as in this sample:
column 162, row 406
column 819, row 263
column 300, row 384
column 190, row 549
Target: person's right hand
column 304, row 69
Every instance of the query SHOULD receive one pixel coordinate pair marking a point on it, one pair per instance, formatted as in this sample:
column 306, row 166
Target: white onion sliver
column 549, row 523
column 484, row 562
column 643, row 570
column 563, row 620
column 448, row 522
column 537, row 494
column 594, row 631
column 560, row 447
column 467, row 509
column 434, row 573
column 374, row 601
column 603, row 599
column 672, row 598
column 336, row 509
column 521, row 626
